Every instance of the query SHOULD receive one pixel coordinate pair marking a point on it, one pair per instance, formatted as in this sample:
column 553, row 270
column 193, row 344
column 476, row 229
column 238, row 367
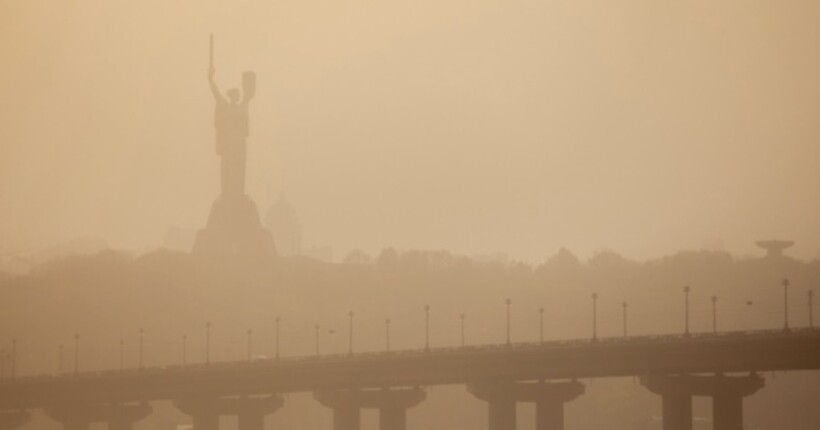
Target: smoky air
column 450, row 215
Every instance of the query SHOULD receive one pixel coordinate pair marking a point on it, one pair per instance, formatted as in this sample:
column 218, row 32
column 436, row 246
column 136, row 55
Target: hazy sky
column 474, row 126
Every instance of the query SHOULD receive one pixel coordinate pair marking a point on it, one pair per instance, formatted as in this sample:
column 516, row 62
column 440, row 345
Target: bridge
column 724, row 366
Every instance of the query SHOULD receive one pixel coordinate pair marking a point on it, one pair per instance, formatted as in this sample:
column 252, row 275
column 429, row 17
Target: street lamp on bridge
column 387, row 334
column 76, row 353
column 350, row 334
column 541, row 325
column 624, row 306
column 13, row 358
column 786, row 304
column 250, row 344
column 122, row 354
column 184, row 349
column 686, row 290
column 462, row 329
column 714, row 314
column 278, row 321
column 594, row 316
column 317, row 327
column 60, row 359
column 508, row 303
column 142, row 336
column 208, row 342
column 811, row 308
column 427, row 327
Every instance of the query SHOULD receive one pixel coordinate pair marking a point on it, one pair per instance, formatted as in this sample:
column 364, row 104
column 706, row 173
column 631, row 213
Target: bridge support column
column 76, row 424
column 393, row 418
column 13, row 420
column 392, row 406
column 79, row 416
column 124, row 417
column 728, row 412
column 346, row 417
column 205, row 420
column 727, row 394
column 676, row 410
column 250, row 411
column 501, row 414
column 549, row 399
column 728, row 397
column 72, row 416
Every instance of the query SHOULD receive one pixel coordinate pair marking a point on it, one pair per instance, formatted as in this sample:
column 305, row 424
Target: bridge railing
column 439, row 352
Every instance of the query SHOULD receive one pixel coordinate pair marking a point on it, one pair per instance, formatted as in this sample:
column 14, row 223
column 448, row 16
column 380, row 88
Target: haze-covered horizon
column 475, row 127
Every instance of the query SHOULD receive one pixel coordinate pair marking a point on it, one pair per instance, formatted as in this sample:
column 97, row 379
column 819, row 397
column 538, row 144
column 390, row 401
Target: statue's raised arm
column 214, row 89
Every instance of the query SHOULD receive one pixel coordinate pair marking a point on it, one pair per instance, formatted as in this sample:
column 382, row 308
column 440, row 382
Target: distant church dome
column 283, row 222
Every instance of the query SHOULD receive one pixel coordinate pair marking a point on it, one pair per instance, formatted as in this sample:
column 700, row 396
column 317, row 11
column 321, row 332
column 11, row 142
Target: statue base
column 234, row 229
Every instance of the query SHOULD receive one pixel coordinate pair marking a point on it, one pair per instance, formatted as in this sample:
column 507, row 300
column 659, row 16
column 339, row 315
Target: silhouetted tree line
column 110, row 296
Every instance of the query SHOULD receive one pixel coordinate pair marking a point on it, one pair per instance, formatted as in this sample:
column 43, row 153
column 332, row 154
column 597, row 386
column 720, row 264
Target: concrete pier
column 392, row 406
column 79, row 416
column 250, row 410
column 549, row 399
column 727, row 394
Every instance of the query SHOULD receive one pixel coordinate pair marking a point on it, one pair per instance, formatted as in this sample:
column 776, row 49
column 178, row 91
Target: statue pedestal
column 234, row 228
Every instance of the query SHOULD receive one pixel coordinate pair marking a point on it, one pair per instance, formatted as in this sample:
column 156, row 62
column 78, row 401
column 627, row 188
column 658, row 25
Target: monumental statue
column 233, row 226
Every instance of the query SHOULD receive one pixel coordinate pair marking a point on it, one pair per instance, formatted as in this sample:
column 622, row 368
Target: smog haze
column 639, row 126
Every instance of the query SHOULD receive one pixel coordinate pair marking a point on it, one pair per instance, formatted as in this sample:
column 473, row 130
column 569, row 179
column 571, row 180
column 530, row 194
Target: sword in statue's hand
column 214, row 90
column 211, row 56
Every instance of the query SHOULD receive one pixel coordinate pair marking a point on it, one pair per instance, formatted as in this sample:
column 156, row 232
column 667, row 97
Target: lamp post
column 278, row 321
column 250, row 344
column 541, row 325
column 122, row 354
column 316, row 328
column 208, row 342
column 350, row 334
column 184, row 349
column 714, row 314
column 13, row 358
column 594, row 316
column 462, row 329
column 624, row 306
column 786, row 304
column 142, row 336
column 686, row 290
column 2, row 363
column 60, row 360
column 76, row 353
column 427, row 327
column 387, row 334
column 811, row 308
column 508, row 303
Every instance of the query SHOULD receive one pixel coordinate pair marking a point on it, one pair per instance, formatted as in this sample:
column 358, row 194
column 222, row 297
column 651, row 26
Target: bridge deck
column 608, row 357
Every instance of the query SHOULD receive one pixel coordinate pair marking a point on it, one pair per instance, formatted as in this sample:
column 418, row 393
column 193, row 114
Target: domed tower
column 775, row 248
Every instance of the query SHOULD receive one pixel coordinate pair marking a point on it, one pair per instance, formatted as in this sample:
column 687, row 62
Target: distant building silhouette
column 775, row 248
column 283, row 222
